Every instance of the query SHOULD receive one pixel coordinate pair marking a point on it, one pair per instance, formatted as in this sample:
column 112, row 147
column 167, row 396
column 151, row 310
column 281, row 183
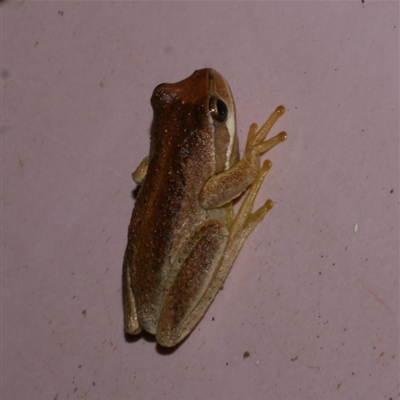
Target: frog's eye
column 218, row 109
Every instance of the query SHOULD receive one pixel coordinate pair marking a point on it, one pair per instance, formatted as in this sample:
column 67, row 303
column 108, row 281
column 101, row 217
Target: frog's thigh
column 193, row 279
column 131, row 323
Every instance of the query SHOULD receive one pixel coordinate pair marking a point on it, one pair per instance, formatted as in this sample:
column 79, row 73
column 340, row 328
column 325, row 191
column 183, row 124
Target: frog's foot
column 255, row 145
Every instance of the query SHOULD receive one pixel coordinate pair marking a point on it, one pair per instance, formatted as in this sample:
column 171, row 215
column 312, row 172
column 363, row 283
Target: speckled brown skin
column 182, row 238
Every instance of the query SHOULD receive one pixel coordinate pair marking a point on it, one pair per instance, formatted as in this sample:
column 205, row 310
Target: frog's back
column 166, row 212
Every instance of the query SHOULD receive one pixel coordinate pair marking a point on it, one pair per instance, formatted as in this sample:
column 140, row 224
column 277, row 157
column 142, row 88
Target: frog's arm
column 141, row 171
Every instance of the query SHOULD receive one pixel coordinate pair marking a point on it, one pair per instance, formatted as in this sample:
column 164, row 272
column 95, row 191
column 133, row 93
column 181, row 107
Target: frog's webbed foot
column 255, row 145
column 246, row 220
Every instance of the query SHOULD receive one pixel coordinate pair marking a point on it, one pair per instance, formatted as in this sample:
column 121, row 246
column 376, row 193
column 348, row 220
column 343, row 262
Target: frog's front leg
column 197, row 263
column 141, row 171
column 229, row 184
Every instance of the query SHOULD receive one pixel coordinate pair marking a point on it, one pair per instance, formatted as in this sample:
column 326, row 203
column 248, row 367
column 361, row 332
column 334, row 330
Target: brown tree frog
column 183, row 236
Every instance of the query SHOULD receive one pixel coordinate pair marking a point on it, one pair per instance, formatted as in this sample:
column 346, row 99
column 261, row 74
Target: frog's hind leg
column 199, row 261
column 177, row 319
column 131, row 323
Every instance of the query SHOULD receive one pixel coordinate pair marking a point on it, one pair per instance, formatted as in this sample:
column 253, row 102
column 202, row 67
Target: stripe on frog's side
column 230, row 123
column 219, row 86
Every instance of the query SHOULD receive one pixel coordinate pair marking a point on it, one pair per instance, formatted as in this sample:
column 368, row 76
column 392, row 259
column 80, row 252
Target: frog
column 184, row 234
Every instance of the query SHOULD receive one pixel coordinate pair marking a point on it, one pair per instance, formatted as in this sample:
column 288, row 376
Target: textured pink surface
column 313, row 300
